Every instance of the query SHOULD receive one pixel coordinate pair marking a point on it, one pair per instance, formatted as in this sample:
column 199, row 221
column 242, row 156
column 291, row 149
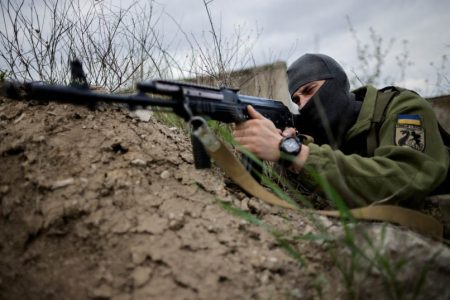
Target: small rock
column 19, row 118
column 244, row 204
column 138, row 162
column 308, row 230
column 296, row 294
column 141, row 275
column 151, row 224
column 101, row 292
column 62, row 183
column 143, row 115
column 34, row 224
column 39, row 139
column 273, row 259
column 4, row 189
column 176, row 224
column 243, row 225
column 227, row 199
column 211, row 229
column 138, row 256
column 165, row 174
column 325, row 221
column 265, row 277
column 121, row 227
column 121, row 297
column 258, row 206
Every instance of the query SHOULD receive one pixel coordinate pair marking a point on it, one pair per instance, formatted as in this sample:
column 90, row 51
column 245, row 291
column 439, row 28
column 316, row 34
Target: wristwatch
column 290, row 147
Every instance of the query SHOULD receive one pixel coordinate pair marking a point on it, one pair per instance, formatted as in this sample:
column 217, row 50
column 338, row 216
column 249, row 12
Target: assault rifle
column 189, row 101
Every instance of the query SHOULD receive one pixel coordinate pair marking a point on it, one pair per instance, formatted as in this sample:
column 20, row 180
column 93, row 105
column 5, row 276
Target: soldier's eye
column 307, row 91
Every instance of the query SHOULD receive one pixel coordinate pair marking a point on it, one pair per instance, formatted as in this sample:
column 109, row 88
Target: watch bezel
column 286, row 156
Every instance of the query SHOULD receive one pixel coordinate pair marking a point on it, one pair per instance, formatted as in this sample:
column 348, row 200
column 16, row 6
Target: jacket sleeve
column 395, row 174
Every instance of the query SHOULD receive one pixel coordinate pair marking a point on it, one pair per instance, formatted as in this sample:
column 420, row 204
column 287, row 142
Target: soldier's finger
column 254, row 114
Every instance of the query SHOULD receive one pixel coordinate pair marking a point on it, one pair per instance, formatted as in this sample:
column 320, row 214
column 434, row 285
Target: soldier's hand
column 259, row 135
column 289, row 132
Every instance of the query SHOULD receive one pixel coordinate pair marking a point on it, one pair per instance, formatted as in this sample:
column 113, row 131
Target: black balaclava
column 331, row 112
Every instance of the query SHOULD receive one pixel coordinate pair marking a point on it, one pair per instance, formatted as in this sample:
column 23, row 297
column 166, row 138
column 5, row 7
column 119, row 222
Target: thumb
column 289, row 132
column 254, row 114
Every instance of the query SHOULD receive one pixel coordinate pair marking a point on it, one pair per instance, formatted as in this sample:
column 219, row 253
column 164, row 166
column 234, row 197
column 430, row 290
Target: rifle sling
column 409, row 218
column 382, row 101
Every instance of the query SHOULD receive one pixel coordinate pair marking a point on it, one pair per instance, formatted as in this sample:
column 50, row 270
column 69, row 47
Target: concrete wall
column 270, row 81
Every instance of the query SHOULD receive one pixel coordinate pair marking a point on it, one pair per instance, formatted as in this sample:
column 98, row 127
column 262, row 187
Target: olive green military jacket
column 410, row 161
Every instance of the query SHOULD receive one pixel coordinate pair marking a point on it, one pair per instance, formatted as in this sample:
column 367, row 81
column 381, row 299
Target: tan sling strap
column 225, row 159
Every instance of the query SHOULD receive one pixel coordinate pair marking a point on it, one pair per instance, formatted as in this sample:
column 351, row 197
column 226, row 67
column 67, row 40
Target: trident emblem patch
column 409, row 132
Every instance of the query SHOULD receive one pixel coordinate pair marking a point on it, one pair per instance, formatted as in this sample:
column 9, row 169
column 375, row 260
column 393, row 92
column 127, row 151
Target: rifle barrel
column 79, row 96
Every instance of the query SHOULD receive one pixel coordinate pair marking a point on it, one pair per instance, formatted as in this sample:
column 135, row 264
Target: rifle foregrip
column 201, row 157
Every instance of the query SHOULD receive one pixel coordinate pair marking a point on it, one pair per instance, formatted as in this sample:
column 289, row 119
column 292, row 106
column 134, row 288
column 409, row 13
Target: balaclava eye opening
column 331, row 112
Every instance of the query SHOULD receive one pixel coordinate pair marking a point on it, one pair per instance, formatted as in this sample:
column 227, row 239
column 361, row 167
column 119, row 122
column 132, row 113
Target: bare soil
column 97, row 204
column 101, row 205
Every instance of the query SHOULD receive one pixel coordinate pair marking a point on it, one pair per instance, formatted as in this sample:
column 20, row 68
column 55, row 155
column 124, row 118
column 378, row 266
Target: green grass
column 170, row 119
column 361, row 256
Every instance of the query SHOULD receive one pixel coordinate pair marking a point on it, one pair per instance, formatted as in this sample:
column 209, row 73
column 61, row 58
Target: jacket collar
column 363, row 122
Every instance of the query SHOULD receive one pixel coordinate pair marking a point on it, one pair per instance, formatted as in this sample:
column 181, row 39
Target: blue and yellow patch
column 409, row 132
column 409, row 120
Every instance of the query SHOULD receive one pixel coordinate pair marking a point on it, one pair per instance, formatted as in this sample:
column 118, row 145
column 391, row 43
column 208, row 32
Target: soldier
column 371, row 146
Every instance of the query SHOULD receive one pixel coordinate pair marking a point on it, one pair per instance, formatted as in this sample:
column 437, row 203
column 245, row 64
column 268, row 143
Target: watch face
column 291, row 145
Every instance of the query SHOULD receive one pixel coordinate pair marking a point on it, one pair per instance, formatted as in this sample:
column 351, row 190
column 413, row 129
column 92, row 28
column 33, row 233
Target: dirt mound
column 102, row 205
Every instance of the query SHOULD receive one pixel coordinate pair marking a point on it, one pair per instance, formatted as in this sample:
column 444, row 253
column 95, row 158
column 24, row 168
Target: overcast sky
column 285, row 29
column 288, row 28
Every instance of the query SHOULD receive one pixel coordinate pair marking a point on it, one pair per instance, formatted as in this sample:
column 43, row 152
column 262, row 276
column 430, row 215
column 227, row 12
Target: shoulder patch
column 409, row 132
